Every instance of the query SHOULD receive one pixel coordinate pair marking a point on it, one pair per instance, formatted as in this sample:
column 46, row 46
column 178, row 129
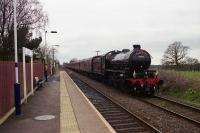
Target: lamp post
column 98, row 52
column 53, row 64
column 17, row 84
column 45, row 43
column 45, row 58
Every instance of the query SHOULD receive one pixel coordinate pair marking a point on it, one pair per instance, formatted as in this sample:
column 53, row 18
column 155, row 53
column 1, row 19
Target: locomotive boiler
column 136, row 60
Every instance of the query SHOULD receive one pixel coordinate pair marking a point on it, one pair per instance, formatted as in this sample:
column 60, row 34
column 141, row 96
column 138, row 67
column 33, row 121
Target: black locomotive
column 127, row 69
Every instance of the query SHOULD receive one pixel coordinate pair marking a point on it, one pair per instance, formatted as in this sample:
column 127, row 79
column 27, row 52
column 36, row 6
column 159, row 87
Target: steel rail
column 171, row 112
column 178, row 103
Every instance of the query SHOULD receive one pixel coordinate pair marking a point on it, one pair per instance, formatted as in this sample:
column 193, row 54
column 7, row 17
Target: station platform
column 72, row 112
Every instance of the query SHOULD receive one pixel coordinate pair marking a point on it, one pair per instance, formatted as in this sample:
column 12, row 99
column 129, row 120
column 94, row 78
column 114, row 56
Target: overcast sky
column 85, row 26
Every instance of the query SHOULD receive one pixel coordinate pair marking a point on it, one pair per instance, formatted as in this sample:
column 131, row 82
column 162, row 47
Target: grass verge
column 182, row 85
column 190, row 96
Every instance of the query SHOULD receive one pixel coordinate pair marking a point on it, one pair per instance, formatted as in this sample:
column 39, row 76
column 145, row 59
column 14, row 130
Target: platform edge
column 92, row 106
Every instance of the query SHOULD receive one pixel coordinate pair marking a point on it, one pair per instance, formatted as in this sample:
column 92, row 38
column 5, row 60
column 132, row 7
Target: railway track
column 119, row 118
column 184, row 111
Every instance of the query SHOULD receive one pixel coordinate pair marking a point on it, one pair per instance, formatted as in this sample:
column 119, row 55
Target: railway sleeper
column 110, row 111
column 121, row 124
column 126, row 125
column 107, row 109
column 112, row 121
column 95, row 97
column 114, row 114
column 103, row 104
column 117, row 112
column 117, row 118
column 130, row 129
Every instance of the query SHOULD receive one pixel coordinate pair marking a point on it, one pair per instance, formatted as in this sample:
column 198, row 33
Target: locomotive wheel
column 151, row 93
column 109, row 82
column 127, row 87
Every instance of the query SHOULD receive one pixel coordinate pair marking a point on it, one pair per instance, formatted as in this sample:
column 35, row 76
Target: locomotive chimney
column 136, row 46
column 125, row 50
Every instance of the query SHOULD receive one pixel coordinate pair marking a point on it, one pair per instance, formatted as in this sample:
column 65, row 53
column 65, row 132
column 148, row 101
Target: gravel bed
column 162, row 120
column 188, row 112
column 179, row 100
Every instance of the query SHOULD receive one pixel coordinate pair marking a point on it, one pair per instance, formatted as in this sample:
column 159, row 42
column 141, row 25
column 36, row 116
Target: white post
column 15, row 40
column 51, row 68
column 27, row 52
column 45, row 46
column 32, row 75
column 24, row 74
column 17, row 84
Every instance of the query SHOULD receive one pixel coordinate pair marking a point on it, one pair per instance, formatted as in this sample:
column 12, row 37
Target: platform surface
column 45, row 101
column 86, row 120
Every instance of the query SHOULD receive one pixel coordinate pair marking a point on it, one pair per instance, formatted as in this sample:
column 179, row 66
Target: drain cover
column 44, row 117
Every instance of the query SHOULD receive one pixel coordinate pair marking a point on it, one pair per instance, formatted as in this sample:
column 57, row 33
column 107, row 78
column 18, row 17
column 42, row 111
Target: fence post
column 32, row 75
column 24, row 75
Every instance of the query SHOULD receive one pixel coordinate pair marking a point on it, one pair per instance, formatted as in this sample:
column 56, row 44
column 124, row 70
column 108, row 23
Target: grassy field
column 191, row 75
column 184, row 85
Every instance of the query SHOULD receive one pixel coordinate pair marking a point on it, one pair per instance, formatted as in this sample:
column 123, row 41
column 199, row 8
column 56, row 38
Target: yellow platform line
column 68, row 123
column 90, row 104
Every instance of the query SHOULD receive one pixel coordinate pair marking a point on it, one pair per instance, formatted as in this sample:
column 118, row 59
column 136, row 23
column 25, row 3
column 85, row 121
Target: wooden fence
column 7, row 80
column 185, row 67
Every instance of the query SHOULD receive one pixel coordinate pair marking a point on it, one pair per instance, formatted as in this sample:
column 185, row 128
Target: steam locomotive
column 127, row 69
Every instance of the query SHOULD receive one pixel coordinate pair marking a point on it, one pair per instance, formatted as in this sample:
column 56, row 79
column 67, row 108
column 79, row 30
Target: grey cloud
column 89, row 25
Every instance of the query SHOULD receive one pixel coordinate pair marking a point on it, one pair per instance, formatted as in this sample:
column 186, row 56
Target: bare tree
column 175, row 54
column 191, row 61
column 29, row 14
column 41, row 51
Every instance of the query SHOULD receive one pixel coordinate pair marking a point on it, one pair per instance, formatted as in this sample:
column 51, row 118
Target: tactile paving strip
column 68, row 123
